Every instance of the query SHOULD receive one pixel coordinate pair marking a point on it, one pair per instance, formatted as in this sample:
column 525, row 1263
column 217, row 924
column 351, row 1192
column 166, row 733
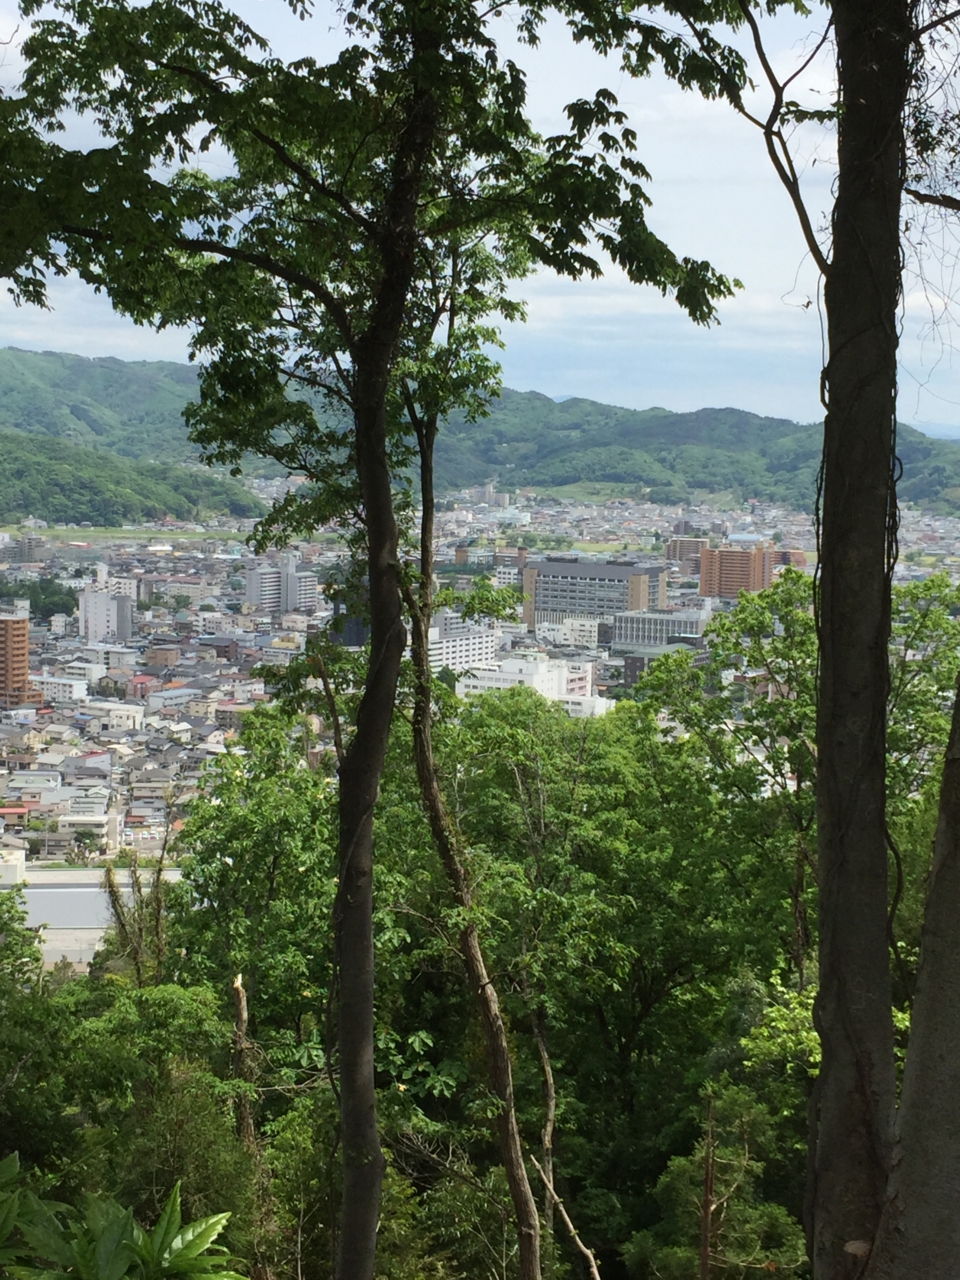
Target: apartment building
column 458, row 644
column 282, row 588
column 60, row 690
column 14, row 658
column 685, row 548
column 726, row 571
column 105, row 616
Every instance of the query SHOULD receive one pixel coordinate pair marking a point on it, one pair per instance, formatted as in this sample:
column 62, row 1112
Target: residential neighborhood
column 109, row 713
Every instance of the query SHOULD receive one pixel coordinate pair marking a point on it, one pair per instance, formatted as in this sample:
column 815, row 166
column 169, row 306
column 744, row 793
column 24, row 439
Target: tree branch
column 924, row 197
column 587, row 1253
column 782, row 161
column 937, row 22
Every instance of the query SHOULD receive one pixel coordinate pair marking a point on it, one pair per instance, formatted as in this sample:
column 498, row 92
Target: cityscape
column 109, row 713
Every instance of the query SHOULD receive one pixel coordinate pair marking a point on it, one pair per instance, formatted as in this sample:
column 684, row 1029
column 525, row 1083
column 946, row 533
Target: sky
column 714, row 196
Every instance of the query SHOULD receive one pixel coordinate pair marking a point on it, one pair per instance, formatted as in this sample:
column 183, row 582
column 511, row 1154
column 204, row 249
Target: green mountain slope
column 133, row 410
column 529, row 440
column 61, row 482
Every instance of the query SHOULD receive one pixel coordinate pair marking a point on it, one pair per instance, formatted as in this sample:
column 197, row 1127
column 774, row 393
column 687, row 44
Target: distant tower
column 14, row 657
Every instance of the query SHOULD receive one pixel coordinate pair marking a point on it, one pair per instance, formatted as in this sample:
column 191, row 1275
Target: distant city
column 110, row 709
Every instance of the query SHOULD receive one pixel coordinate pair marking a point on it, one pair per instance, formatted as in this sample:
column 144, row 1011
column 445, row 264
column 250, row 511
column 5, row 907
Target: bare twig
column 587, row 1253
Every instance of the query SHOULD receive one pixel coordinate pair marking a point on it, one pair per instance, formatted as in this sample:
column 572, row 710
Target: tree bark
column 549, row 1127
column 361, row 768
column 446, row 842
column 919, row 1237
column 862, row 293
column 241, row 1046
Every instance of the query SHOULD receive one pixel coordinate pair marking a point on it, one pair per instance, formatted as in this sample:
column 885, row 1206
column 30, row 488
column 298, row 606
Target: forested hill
column 530, row 440
column 133, row 410
column 61, row 482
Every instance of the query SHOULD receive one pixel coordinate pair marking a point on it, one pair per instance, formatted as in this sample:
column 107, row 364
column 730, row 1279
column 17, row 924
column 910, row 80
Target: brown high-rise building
column 685, row 548
column 14, row 659
column 726, row 571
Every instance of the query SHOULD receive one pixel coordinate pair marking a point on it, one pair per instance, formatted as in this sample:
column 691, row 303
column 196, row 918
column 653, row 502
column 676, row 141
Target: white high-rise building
column 298, row 588
column 104, row 616
column 282, row 589
column 264, row 588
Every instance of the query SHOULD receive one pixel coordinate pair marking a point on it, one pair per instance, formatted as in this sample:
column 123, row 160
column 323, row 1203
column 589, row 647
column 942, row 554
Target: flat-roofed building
column 652, row 627
column 685, row 548
column 560, row 587
column 726, row 571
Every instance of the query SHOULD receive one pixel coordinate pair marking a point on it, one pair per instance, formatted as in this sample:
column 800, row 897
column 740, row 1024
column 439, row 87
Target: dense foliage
column 131, row 408
column 60, row 482
column 643, row 889
column 47, row 596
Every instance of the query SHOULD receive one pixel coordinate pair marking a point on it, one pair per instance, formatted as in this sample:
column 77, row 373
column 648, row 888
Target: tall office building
column 14, row 657
column 561, row 587
column 726, row 571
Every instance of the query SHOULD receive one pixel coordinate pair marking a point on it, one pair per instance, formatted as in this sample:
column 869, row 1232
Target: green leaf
column 9, row 1208
column 193, row 1240
column 9, row 1169
column 168, row 1224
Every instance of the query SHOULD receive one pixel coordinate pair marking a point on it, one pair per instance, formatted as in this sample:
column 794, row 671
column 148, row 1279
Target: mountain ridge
column 132, row 410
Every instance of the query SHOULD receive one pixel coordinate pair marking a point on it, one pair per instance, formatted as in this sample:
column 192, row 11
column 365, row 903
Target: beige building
column 685, row 548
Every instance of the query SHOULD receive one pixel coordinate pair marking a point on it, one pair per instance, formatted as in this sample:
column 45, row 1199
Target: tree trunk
column 549, row 1126
column 445, row 840
column 862, row 294
column 706, row 1203
column 241, row 1046
column 920, row 1234
column 373, row 355
column 360, row 773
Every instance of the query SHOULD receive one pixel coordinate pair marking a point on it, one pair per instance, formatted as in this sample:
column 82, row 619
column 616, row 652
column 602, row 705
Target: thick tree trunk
column 445, row 840
column 862, row 294
column 920, row 1234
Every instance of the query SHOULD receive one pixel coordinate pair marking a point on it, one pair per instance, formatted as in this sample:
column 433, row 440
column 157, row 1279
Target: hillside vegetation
column 530, row 440
column 61, row 482
column 134, row 411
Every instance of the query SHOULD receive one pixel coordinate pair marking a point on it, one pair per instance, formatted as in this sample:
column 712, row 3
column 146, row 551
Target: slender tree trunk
column 360, row 773
column 706, row 1203
column 361, row 768
column 549, row 1126
column 862, row 295
column 920, row 1234
column 445, row 839
column 241, row 1020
